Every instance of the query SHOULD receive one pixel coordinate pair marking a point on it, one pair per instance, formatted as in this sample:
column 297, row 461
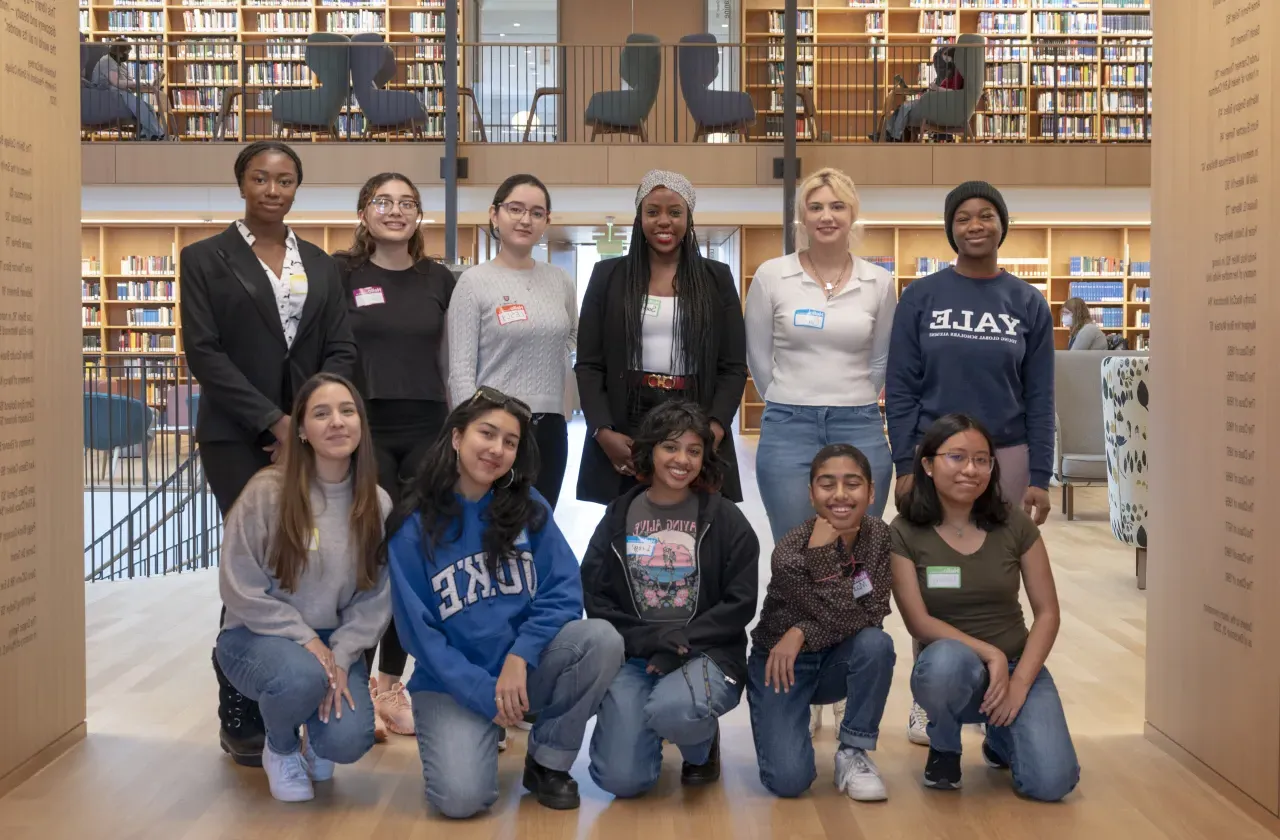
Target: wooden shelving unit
column 209, row 46
column 1119, row 278
column 1060, row 71
column 131, row 288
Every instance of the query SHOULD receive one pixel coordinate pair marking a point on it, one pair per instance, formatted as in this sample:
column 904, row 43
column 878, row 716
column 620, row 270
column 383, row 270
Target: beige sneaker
column 379, row 728
column 394, row 709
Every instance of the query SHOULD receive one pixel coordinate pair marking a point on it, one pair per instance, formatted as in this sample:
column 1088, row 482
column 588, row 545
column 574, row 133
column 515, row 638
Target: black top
column 727, row 557
column 398, row 319
column 235, row 346
column 602, row 369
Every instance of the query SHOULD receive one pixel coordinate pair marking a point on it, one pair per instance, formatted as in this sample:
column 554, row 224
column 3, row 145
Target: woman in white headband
column 660, row 323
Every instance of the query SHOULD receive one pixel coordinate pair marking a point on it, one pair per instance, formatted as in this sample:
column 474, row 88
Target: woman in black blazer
column 660, row 323
column 262, row 311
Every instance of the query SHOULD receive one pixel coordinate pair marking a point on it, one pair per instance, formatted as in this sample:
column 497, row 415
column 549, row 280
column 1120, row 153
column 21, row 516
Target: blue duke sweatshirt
column 979, row 347
column 459, row 621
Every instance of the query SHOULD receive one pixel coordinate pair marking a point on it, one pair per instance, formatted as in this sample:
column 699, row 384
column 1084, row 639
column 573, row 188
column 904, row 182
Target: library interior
column 686, row 141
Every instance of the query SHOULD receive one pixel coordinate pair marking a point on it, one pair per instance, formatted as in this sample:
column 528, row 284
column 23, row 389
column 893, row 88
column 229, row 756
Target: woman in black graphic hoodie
column 673, row 567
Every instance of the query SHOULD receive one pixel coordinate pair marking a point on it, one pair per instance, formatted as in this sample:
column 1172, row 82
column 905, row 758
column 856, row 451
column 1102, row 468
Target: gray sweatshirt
column 1090, row 337
column 326, row 597
column 514, row 331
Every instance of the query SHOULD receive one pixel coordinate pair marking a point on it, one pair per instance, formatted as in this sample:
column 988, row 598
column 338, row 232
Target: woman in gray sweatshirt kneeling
column 304, row 580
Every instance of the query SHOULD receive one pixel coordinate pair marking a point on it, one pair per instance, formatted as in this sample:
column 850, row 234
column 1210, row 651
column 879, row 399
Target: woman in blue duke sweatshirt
column 974, row 339
column 488, row 601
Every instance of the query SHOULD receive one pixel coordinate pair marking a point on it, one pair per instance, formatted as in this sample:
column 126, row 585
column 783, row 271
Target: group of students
column 419, row 441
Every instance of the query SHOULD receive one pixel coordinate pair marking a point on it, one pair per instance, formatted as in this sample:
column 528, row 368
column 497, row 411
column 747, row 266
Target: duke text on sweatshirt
column 978, row 347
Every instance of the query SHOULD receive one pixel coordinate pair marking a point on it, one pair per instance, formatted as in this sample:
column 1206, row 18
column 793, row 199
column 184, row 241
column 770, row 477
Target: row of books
column 206, row 21
column 145, row 290
column 90, row 266
column 804, row 22
column 1065, row 23
column 189, row 99
column 160, row 264
column 1126, row 24
column 1140, row 268
column 887, row 263
column 160, row 316
column 1006, row 74
column 131, row 341
column 90, row 289
column 1142, row 319
column 1126, row 128
column 1096, row 291
column 777, row 74
column 1048, row 75
column 91, row 316
column 1001, row 23
column 1096, row 266
column 1108, row 317
column 929, row 265
column 1142, row 294
column 1085, row 101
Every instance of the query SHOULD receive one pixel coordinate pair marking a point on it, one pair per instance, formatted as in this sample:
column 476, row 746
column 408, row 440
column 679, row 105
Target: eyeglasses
column 517, row 407
column 383, row 206
column 959, row 460
column 519, row 211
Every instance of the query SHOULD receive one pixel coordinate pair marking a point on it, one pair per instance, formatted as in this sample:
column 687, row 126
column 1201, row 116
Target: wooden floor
column 151, row 768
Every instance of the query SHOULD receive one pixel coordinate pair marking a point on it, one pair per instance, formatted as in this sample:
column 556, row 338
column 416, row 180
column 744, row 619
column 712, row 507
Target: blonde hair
column 840, row 184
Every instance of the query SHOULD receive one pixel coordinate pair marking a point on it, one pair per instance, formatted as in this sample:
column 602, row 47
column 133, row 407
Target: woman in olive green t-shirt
column 960, row 556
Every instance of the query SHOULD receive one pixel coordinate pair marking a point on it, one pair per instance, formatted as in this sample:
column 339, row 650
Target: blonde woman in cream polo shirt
column 818, row 326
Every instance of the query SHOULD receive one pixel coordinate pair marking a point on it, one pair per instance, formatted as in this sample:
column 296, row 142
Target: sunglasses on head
column 492, row 395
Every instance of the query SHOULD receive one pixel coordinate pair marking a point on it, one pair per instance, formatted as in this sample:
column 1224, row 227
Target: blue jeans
column 948, row 682
column 790, row 435
column 459, row 748
column 642, row 709
column 288, row 683
column 859, row 670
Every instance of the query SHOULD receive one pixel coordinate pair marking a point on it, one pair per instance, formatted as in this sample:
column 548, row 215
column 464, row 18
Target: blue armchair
column 713, row 111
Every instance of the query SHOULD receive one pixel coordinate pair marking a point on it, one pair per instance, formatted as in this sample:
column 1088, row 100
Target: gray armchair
column 950, row 111
column 625, row 111
column 713, row 111
column 373, row 64
column 329, row 58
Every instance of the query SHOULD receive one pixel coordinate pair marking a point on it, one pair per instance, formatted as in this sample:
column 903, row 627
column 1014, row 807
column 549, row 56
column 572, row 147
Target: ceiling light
column 515, row 24
column 502, row 34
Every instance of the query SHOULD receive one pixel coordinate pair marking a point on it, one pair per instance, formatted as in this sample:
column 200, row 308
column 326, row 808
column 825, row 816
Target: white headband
column 673, row 181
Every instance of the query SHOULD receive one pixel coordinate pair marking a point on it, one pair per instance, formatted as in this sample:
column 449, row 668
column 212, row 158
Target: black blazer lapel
column 244, row 264
column 314, row 264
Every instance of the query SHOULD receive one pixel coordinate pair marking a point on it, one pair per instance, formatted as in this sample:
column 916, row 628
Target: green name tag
column 942, row 577
column 652, row 306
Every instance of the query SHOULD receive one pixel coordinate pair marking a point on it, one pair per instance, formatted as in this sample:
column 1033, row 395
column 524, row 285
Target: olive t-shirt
column 976, row 593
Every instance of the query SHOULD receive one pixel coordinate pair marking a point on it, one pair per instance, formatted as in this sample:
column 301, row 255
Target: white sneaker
column 815, row 720
column 287, row 775
column 318, row 769
column 858, row 776
column 916, row 731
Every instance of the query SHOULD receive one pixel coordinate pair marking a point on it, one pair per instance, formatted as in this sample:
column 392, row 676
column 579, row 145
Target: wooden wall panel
column 1213, row 633
column 42, row 660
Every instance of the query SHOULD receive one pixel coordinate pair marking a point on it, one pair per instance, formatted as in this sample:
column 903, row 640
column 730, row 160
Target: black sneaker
column 242, row 734
column 942, row 770
column 704, row 774
column 554, row 789
column 992, row 758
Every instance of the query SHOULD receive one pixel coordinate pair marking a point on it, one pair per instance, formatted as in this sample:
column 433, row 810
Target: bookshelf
column 131, row 288
column 1109, row 266
column 206, row 47
column 1057, row 70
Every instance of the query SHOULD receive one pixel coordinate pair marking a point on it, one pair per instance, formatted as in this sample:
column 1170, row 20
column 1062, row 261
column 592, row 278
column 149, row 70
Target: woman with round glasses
column 396, row 302
column 960, row 556
column 513, row 324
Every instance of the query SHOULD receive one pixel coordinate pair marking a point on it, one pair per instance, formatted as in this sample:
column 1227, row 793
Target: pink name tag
column 511, row 313
column 369, row 296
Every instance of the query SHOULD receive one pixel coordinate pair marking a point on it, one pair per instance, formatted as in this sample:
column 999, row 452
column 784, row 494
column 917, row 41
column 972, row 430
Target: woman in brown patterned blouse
column 819, row 639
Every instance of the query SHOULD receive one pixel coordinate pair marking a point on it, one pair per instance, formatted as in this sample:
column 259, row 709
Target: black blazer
column 601, row 371
column 234, row 344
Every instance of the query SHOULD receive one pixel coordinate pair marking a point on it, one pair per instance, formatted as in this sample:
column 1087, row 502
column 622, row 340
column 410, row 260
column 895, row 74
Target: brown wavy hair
column 363, row 244
column 287, row 559
column 1080, row 315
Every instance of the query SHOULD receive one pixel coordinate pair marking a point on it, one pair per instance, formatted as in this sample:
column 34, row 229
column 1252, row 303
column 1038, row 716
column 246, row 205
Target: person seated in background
column 487, row 600
column 819, row 639
column 899, row 102
column 304, row 581
column 112, row 71
column 1084, row 333
column 673, row 567
column 960, row 554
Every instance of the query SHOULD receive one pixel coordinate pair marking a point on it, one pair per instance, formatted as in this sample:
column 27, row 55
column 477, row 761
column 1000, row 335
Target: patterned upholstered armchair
column 1125, row 414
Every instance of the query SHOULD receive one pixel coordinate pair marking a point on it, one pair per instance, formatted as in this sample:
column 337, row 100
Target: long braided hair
column 697, row 303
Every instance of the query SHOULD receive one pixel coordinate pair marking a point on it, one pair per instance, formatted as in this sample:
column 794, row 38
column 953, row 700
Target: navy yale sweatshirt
column 978, row 347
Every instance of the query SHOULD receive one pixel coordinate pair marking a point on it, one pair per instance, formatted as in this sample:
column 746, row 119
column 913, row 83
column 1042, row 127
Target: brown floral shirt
column 813, row 588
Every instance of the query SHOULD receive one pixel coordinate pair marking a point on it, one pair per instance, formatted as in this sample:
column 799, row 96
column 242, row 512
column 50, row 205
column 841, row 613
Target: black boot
column 708, row 772
column 555, row 789
column 242, row 734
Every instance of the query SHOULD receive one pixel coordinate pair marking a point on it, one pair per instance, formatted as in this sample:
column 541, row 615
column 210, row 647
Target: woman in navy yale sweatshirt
column 487, row 599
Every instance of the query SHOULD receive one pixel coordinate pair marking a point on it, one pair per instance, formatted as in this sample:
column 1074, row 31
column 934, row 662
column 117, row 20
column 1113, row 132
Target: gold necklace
column 830, row 288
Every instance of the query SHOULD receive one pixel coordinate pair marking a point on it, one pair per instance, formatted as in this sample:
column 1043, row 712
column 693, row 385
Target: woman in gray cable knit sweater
column 304, row 579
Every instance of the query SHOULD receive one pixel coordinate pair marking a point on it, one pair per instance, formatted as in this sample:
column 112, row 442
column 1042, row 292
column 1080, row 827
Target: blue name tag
column 811, row 318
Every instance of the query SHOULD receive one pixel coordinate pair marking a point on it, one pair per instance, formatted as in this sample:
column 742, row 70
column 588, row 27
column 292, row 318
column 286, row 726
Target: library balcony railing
column 147, row 507
column 1094, row 88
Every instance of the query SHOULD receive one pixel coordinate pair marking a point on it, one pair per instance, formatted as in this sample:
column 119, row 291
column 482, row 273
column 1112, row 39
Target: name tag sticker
column 369, row 296
column 511, row 313
column 641, row 546
column 811, row 318
column 942, row 577
column 297, row 284
column 861, row 584
column 652, row 306
column 314, row 545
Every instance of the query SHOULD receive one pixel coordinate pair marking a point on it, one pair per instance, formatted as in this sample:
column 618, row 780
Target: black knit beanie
column 975, row 189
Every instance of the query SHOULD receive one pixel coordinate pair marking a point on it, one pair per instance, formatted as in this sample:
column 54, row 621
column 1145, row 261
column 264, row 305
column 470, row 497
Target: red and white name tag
column 511, row 313
column 369, row 296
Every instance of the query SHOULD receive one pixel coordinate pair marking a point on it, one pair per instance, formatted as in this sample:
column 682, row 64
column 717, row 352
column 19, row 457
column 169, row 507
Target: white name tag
column 369, row 296
column 297, row 284
column 652, row 306
column 641, row 546
column 861, row 584
column 511, row 313
column 811, row 318
column 942, row 577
